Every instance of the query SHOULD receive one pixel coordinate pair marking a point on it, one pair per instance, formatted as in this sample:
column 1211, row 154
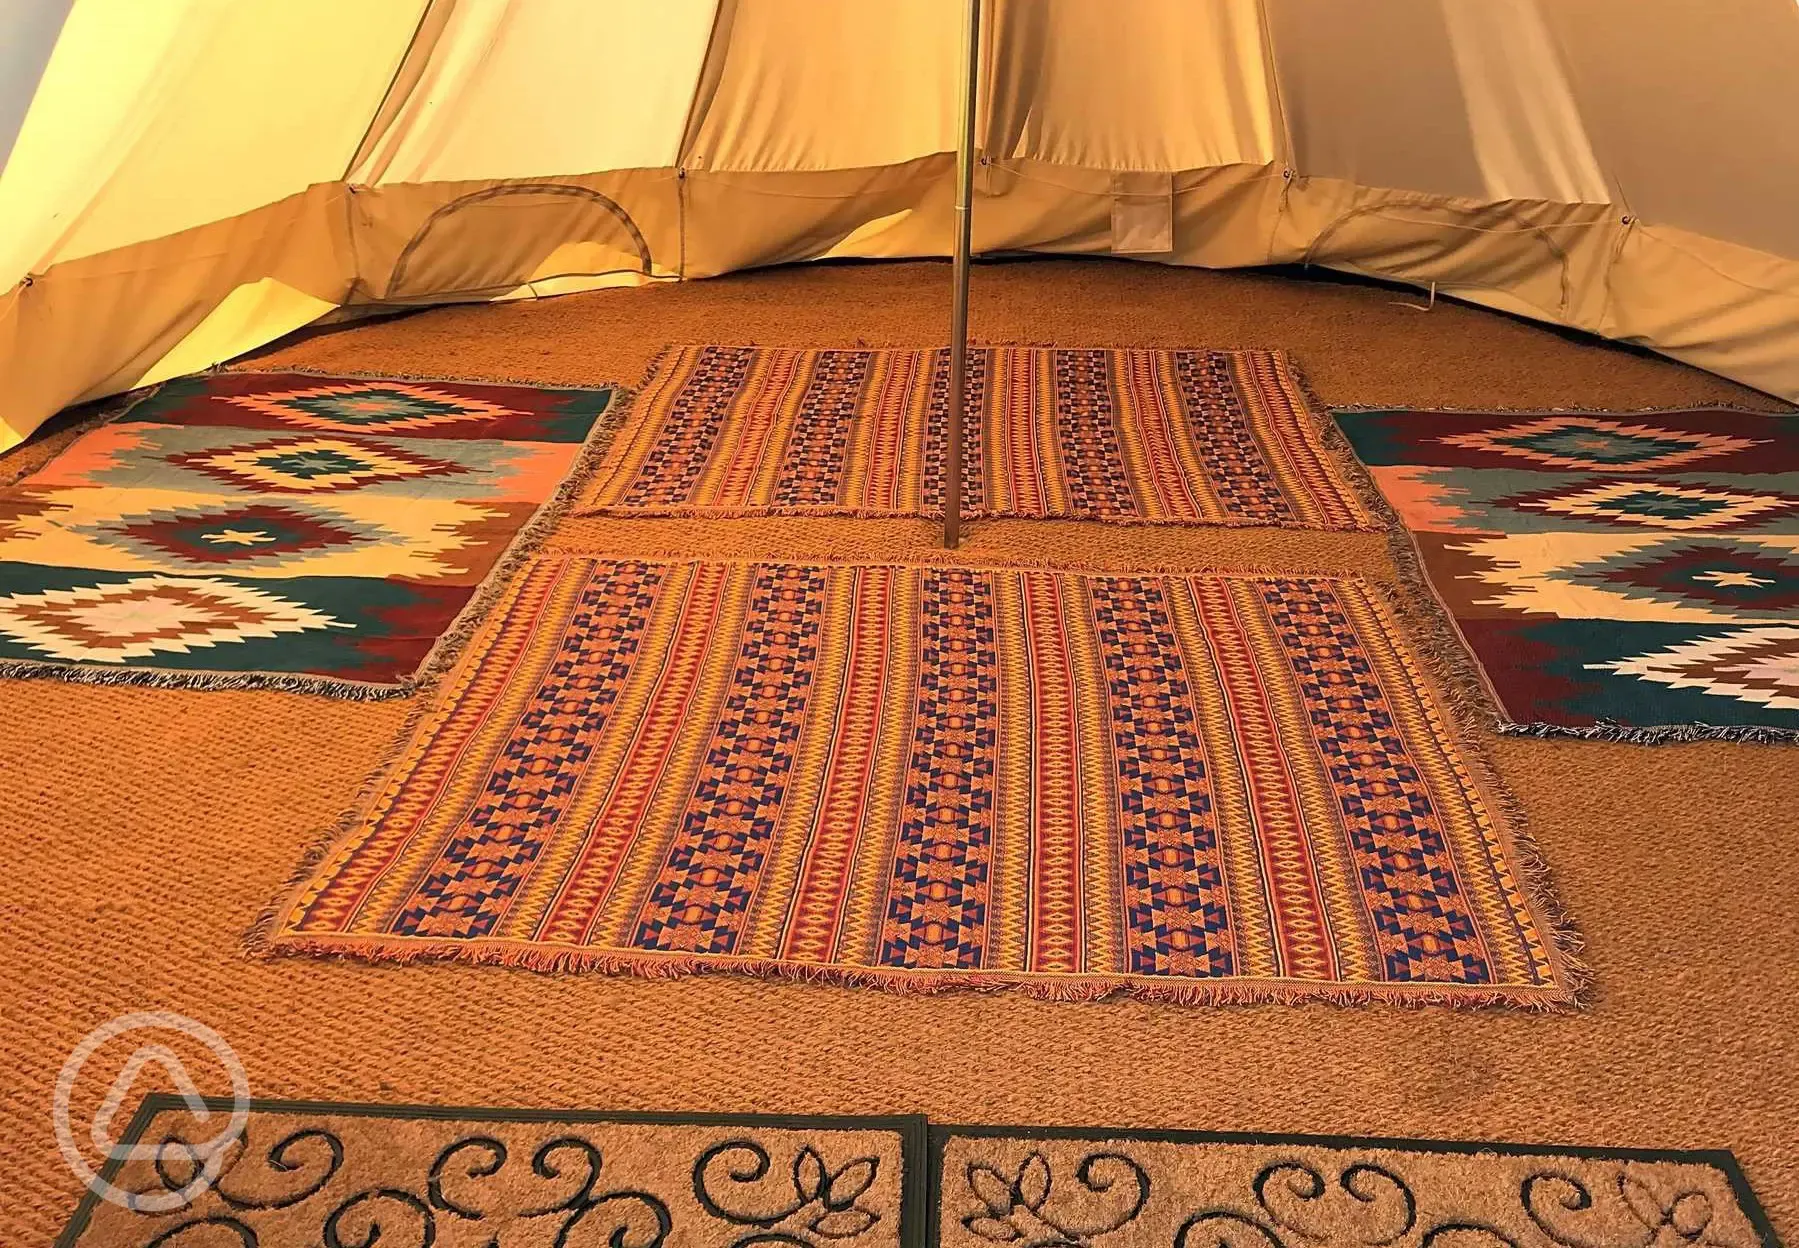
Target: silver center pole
column 958, row 324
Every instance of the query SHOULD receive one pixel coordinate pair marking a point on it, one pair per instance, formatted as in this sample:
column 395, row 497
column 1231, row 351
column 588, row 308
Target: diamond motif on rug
column 387, row 405
column 312, row 465
column 1737, row 575
column 244, row 535
column 1658, row 505
column 146, row 615
column 1759, row 665
column 1561, row 544
column 382, row 516
column 1592, row 443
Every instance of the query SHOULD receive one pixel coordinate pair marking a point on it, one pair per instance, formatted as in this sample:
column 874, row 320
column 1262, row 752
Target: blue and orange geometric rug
column 316, row 533
column 1121, row 436
column 1183, row 787
column 1625, row 575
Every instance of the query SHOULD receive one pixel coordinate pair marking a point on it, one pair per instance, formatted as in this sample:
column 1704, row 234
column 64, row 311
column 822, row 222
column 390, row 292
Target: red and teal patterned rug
column 1631, row 575
column 275, row 529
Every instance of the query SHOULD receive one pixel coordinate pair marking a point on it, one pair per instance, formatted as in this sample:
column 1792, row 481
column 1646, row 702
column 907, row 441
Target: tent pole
column 958, row 331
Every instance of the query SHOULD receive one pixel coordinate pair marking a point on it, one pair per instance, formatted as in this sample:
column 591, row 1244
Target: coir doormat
column 1191, row 1189
column 275, row 1173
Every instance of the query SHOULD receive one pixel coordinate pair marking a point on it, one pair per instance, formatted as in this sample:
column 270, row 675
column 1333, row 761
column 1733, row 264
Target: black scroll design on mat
column 313, row 1154
column 638, row 1218
column 1555, row 1202
column 730, row 1182
column 1017, row 1209
column 1290, row 1195
column 1290, row 1199
column 1361, row 1204
column 306, row 1160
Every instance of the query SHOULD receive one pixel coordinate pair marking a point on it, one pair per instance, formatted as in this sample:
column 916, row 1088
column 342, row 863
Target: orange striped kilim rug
column 1136, row 436
column 1193, row 787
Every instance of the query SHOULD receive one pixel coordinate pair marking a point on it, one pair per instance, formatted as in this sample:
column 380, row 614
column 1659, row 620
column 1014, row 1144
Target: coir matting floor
column 148, row 827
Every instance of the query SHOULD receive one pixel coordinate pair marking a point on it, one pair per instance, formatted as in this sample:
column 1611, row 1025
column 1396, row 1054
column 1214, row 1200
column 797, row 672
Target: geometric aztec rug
column 295, row 1172
column 278, row 529
column 1628, row 575
column 1193, row 788
column 1129, row 436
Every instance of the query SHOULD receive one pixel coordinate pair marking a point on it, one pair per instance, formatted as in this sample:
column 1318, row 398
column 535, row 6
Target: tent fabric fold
column 192, row 179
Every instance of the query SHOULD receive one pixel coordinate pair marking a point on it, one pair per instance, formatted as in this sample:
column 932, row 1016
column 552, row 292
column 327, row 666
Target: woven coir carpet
column 1628, row 574
column 1194, row 788
column 147, row 828
column 278, row 530
column 1158, row 437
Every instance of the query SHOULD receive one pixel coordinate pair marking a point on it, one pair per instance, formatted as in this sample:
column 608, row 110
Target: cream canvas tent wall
column 185, row 180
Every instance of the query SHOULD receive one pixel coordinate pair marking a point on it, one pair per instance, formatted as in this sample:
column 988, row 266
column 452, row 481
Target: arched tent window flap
column 624, row 230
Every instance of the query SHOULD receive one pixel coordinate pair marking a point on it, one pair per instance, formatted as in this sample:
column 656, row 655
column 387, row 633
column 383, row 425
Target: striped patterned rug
column 1190, row 787
column 1132, row 436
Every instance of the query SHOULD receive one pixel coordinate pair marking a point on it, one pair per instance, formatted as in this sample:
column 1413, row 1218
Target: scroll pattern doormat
column 343, row 1174
column 277, row 529
column 346, row 1175
column 1154, row 437
column 1191, row 1189
column 1627, row 574
column 1192, row 788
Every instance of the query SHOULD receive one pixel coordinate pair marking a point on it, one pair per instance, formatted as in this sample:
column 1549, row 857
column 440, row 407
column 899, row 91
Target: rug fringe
column 966, row 560
column 1654, row 734
column 1716, row 406
column 1029, row 344
column 207, row 681
column 666, row 511
column 655, row 365
column 1071, row 988
column 306, row 370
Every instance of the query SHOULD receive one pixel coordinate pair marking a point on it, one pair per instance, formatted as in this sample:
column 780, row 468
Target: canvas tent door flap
column 187, row 180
